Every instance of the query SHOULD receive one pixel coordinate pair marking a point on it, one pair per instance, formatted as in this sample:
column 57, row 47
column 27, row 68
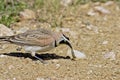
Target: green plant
column 9, row 10
column 38, row 4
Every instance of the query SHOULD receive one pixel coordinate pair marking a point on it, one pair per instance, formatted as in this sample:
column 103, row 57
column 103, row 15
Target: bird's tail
column 4, row 39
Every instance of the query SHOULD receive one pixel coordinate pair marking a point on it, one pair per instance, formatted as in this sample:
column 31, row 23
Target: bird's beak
column 68, row 43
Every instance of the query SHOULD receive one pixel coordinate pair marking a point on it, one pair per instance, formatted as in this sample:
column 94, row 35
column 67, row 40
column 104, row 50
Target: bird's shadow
column 45, row 56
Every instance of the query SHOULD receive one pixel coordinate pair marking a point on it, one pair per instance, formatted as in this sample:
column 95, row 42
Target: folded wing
column 40, row 37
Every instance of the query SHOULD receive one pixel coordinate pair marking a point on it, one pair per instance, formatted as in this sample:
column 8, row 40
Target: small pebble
column 89, row 27
column 78, row 54
column 14, row 78
column 91, row 13
column 10, row 67
column 40, row 78
column 43, row 78
column 57, row 66
column 105, row 42
column 102, row 10
column 55, row 61
column 2, row 56
column 110, row 55
column 66, row 2
column 109, row 3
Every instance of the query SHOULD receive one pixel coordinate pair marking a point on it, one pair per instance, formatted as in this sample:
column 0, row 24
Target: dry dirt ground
column 97, row 36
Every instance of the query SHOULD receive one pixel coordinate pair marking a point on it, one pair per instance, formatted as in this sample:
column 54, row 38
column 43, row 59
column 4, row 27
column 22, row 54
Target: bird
column 39, row 40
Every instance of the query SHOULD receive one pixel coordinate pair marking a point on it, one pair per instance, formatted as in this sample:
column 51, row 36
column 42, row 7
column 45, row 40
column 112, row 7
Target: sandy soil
column 96, row 36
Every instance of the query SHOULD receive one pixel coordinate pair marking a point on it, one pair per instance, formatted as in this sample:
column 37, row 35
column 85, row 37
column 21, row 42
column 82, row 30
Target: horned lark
column 38, row 40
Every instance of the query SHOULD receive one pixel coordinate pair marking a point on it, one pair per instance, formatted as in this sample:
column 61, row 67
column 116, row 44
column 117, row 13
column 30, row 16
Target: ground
column 96, row 36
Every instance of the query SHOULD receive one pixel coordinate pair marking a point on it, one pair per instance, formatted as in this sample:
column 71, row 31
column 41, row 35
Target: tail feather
column 4, row 39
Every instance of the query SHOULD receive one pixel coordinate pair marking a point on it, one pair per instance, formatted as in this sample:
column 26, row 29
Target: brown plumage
column 39, row 37
column 38, row 40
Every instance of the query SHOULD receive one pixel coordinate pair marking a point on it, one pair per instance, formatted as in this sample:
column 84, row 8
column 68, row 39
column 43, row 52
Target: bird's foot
column 41, row 60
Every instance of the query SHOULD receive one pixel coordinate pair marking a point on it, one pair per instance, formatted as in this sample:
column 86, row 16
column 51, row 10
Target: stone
column 78, row 54
column 101, row 10
column 27, row 14
column 66, row 2
column 110, row 55
column 5, row 31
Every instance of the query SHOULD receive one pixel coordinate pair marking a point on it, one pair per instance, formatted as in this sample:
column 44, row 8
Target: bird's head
column 65, row 40
column 62, row 39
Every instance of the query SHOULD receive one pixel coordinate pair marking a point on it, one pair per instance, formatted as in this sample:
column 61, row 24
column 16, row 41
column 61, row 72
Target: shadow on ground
column 45, row 56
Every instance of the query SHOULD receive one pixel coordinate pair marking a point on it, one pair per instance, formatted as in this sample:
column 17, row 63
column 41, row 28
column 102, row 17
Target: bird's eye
column 66, row 37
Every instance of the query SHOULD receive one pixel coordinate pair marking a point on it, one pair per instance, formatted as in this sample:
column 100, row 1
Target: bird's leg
column 41, row 60
column 73, row 55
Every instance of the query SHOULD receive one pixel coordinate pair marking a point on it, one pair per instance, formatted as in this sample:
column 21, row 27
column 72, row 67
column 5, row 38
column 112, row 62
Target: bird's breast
column 38, row 48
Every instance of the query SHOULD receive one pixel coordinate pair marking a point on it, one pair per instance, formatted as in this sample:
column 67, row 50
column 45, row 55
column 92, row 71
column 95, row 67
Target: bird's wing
column 40, row 37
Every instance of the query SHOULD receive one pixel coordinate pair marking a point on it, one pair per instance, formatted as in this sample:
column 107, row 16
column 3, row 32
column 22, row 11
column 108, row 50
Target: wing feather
column 39, row 37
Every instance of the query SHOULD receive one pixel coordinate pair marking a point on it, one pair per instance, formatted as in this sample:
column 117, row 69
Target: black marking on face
column 66, row 42
column 66, row 37
column 55, row 43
